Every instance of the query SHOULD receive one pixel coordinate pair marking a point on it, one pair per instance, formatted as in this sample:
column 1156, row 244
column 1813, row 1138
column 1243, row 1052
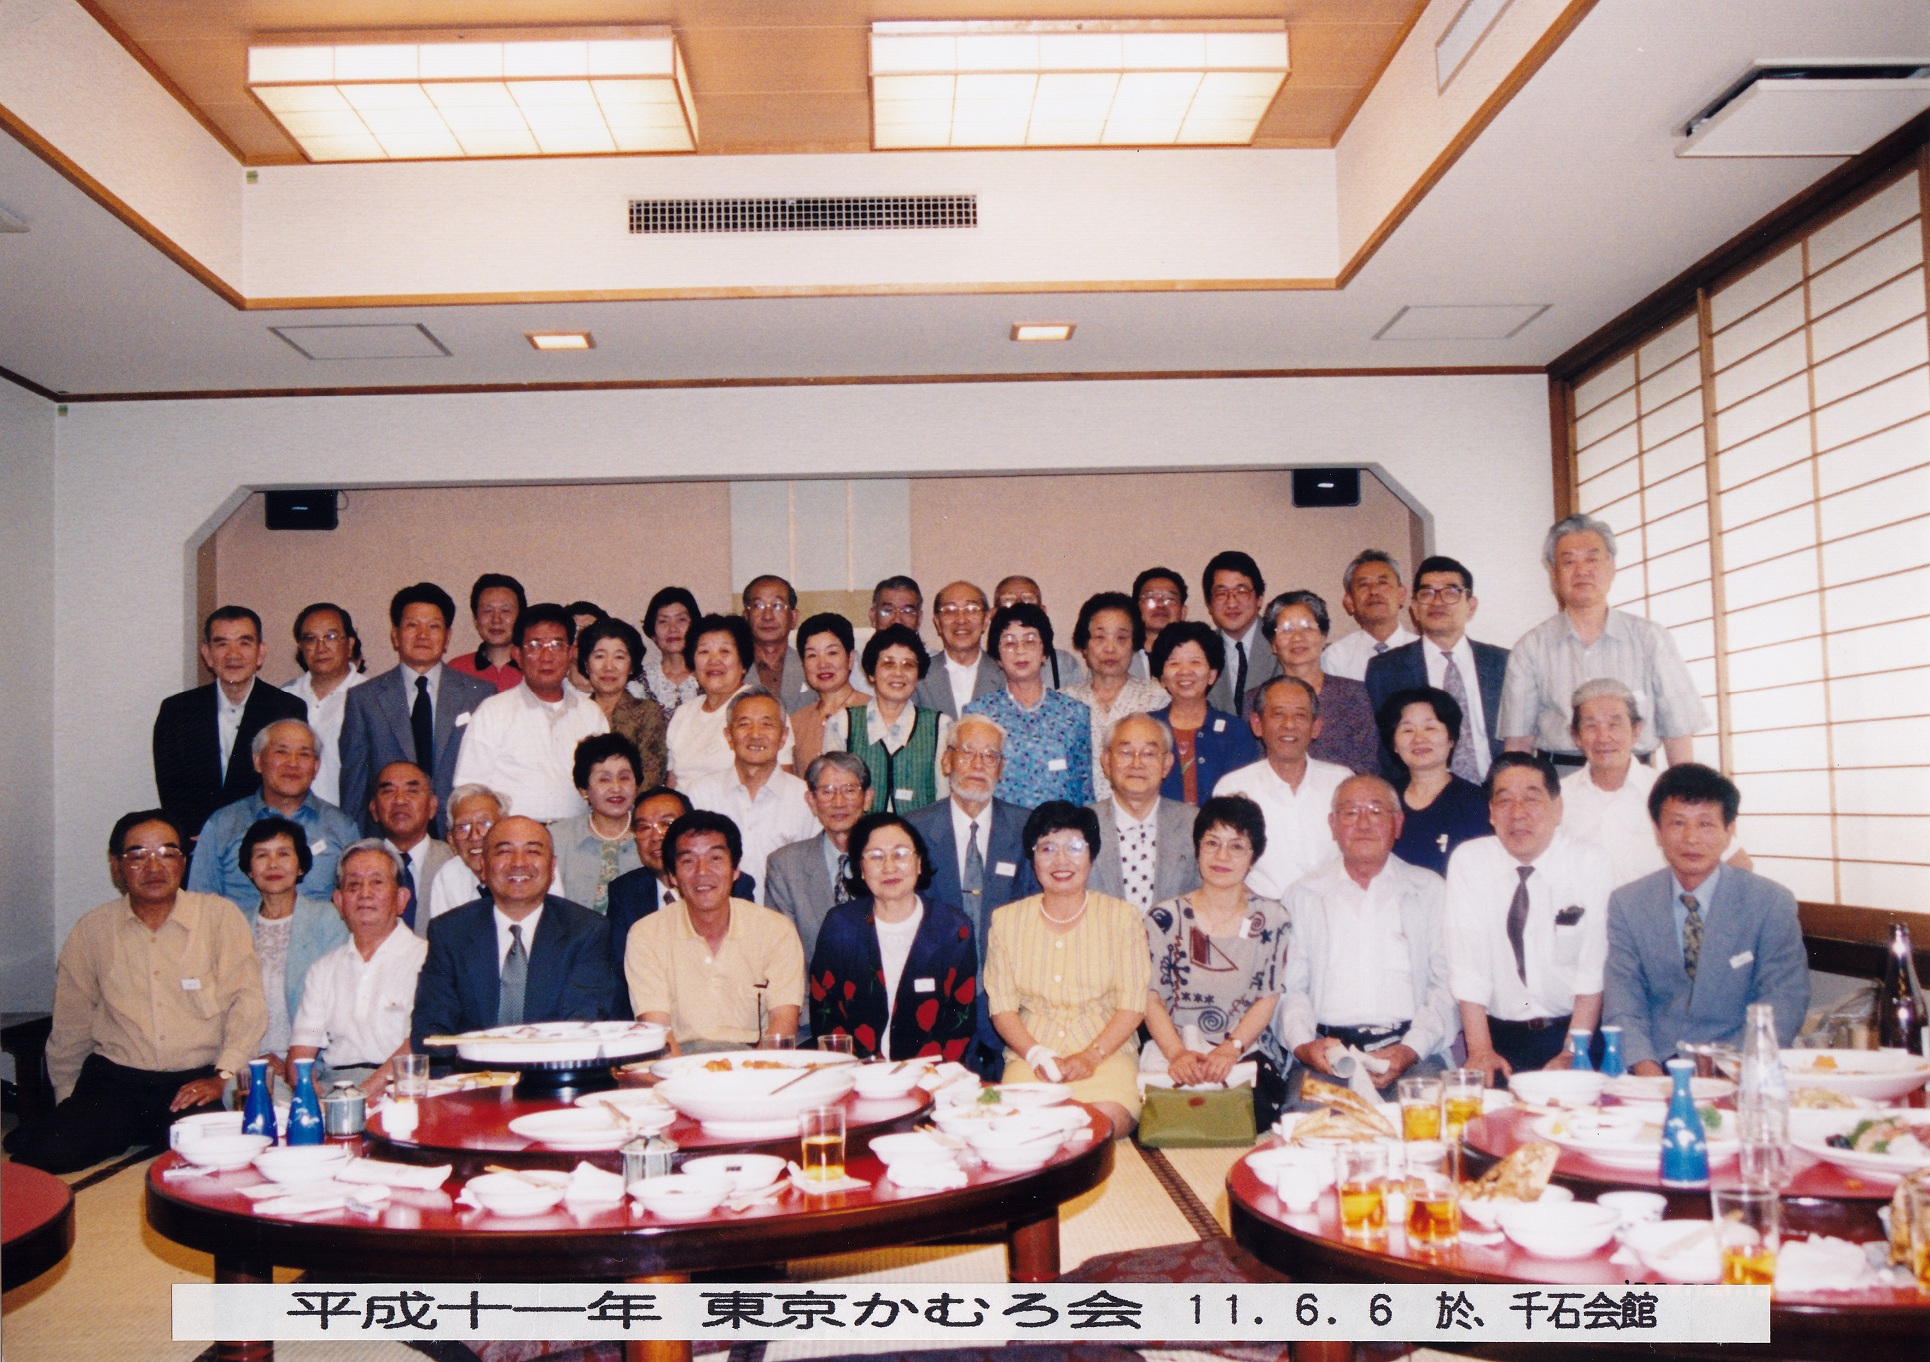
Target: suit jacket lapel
column 821, row 890
column 447, row 703
column 545, row 961
column 989, row 677
column 395, row 700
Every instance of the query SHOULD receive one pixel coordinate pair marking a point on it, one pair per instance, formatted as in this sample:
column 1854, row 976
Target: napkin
column 1820, row 1263
column 185, row 1170
column 399, row 1119
column 305, row 1202
column 375, row 1172
column 813, row 1187
column 1358, row 1067
column 590, row 1185
column 362, row 1197
column 932, row 1174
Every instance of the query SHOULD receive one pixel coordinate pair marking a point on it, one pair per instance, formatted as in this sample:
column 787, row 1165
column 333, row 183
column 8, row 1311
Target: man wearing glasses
column 770, row 608
column 1445, row 658
column 1235, row 591
column 157, row 1004
column 965, row 671
column 897, row 600
column 1160, row 594
column 806, row 880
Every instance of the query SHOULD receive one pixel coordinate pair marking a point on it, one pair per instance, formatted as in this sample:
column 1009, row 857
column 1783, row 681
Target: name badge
column 1056, row 764
column 907, row 794
column 191, row 985
column 319, row 844
column 1741, row 958
column 924, row 986
column 462, row 721
column 1005, row 868
column 1219, row 725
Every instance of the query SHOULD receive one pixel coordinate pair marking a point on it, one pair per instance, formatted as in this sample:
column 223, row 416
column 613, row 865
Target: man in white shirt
column 767, row 803
column 1235, row 591
column 965, row 670
column 1372, row 593
column 1527, row 925
column 523, row 741
column 330, row 654
column 1293, row 790
column 473, row 811
column 1365, row 969
column 357, row 999
column 404, row 807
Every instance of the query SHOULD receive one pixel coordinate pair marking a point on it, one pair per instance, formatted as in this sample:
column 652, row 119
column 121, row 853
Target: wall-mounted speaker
column 312, row 510
column 1314, row 487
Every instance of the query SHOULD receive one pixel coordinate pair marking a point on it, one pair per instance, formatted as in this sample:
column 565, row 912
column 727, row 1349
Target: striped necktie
column 1691, row 934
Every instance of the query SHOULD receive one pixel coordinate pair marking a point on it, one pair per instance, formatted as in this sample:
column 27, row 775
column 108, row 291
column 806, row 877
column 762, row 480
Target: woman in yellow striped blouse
column 1066, row 972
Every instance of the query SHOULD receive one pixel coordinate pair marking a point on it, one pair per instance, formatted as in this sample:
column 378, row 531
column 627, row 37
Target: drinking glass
column 1421, row 1103
column 837, row 1044
column 1363, row 1190
column 1465, row 1092
column 822, row 1131
column 1433, row 1194
column 1917, row 1201
column 781, row 1042
column 1749, row 1224
column 411, row 1077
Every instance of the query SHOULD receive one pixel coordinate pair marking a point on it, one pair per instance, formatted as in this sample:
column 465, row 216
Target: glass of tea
column 1433, row 1194
column 1917, row 1194
column 1465, row 1093
column 1363, row 1190
column 1421, row 1106
column 1749, row 1224
column 822, row 1129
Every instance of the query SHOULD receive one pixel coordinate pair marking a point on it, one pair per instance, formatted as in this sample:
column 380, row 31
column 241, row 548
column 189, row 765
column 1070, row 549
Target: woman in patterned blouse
column 1048, row 734
column 667, row 678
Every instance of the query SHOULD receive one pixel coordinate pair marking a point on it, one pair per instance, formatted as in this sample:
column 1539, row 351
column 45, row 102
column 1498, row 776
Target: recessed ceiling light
column 561, row 340
column 1043, row 331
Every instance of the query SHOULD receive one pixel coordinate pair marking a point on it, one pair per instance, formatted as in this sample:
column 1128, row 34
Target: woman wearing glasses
column 1067, row 970
column 894, row 968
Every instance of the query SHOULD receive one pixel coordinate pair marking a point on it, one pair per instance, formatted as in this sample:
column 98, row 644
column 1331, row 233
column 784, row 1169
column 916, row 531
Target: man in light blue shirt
column 287, row 754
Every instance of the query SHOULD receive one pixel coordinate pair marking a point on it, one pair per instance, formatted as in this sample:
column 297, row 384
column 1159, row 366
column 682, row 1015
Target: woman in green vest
column 900, row 743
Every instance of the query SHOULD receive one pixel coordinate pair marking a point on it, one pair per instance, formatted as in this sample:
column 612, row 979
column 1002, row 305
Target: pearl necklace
column 1065, row 921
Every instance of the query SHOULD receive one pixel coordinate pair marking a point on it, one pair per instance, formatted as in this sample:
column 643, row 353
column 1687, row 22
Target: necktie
column 408, row 882
column 1462, row 763
column 838, row 894
column 1691, row 935
column 509, row 1010
column 974, row 884
column 422, row 720
column 1380, row 647
column 1518, row 921
column 1239, row 684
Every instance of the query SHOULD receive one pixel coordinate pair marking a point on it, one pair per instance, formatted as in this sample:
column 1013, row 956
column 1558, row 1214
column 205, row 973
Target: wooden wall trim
column 1561, row 444
column 22, row 381
column 1855, row 941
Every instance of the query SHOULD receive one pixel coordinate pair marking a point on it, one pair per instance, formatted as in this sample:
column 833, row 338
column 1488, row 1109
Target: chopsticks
column 514, row 1173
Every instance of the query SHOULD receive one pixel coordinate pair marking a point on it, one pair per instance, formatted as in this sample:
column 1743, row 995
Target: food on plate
column 1345, row 1102
column 1900, row 1223
column 1824, row 1062
column 1522, row 1176
column 724, row 1066
column 1820, row 1099
column 1327, row 1125
column 1891, row 1135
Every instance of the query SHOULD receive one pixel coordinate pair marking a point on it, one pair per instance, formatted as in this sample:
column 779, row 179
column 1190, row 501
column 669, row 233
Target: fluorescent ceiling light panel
column 434, row 97
column 1074, row 83
column 1043, row 331
column 560, row 340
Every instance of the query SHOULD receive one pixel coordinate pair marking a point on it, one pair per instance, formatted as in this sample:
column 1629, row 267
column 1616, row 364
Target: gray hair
column 1285, row 601
column 1576, row 524
column 1393, row 795
column 848, row 762
column 755, row 692
column 261, row 739
column 1266, row 687
column 1165, row 733
column 476, row 791
column 368, row 844
column 975, row 721
column 1362, row 559
column 1601, row 688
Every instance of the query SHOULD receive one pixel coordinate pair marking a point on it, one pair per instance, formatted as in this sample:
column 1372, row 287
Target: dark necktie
column 1518, row 921
column 1239, row 683
column 838, row 894
column 408, row 882
column 1691, row 935
column 422, row 720
column 1462, row 763
column 509, row 1007
column 974, row 885
column 1380, row 647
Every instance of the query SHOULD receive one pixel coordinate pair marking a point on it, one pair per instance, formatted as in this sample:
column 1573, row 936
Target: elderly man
column 473, row 811
column 964, row 671
column 897, row 600
column 285, row 755
column 1527, row 925
column 157, row 1003
column 202, row 737
column 1372, row 594
column 404, row 808
column 519, row 955
column 330, row 654
column 1235, row 591
column 1063, row 668
column 1160, row 594
column 805, row 880
column 523, row 741
column 358, row 998
column 1294, row 791
column 770, row 607
column 1365, row 966
column 495, row 601
column 1690, row 947
column 765, row 801
column 1586, row 639
column 1445, row 658
column 1145, row 853
column 719, row 971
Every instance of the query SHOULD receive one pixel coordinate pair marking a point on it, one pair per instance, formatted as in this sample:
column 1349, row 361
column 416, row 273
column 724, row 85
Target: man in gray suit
column 805, row 880
column 1692, row 946
column 404, row 807
column 964, row 669
column 1145, row 852
column 1235, row 591
column 415, row 712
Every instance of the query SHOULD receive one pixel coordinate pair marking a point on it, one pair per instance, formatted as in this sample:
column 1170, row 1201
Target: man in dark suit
column 1235, row 592
column 522, row 955
column 959, row 613
column 804, row 880
column 972, row 836
column 636, row 894
column 414, row 712
column 1692, row 946
column 1443, row 657
column 202, row 737
column 1136, row 760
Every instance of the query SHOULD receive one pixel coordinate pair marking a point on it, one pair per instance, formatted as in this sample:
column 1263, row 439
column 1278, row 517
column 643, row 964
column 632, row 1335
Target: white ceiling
column 1573, row 198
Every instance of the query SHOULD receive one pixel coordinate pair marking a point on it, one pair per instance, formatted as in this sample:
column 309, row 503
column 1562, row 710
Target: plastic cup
column 1422, row 1107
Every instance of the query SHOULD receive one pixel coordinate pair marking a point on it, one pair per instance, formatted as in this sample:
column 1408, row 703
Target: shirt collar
column 234, row 706
column 528, row 923
column 1123, row 819
column 433, row 676
column 1705, row 893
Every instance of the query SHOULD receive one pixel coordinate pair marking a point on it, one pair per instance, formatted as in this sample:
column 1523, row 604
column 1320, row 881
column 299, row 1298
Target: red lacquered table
column 36, row 1223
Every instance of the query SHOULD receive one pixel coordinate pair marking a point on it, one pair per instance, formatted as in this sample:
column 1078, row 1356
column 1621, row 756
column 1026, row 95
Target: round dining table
column 36, row 1223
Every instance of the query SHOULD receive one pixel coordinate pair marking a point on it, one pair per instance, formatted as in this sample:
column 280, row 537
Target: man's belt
column 1365, row 1037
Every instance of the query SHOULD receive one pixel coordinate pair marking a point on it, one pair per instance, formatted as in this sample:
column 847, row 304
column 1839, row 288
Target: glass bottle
column 1613, row 1065
column 1762, row 1103
column 258, row 1117
column 1578, row 1043
column 1685, row 1146
column 1900, row 1009
column 305, row 1111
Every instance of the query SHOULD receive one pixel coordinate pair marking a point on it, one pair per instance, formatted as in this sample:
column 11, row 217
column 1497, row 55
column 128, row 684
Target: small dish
column 222, row 1153
column 207, row 1123
column 745, row 1172
column 1677, row 1250
column 293, row 1165
column 1027, row 1095
column 1635, row 1208
column 1484, row 1210
column 884, row 1081
column 909, row 1146
column 510, row 1194
column 1559, row 1229
column 1568, row 1088
column 681, row 1196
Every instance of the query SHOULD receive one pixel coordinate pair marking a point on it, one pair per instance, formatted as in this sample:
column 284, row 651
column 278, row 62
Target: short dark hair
column 1232, row 811
column 1108, row 600
column 1232, row 560
column 1694, row 783
column 659, row 791
column 266, row 830
column 1181, row 632
column 1286, row 600
column 1446, row 708
column 1159, row 574
column 1442, row 563
column 703, row 820
column 1533, row 761
column 620, row 630
column 1060, row 815
column 127, row 822
column 736, row 626
column 491, row 580
column 861, row 832
column 1259, row 692
column 898, row 582
column 422, row 593
column 668, row 595
column 598, row 748
column 1027, row 616
column 223, row 615
column 790, row 592
column 896, row 636
column 827, row 623
column 544, row 612
column 348, row 627
column 590, row 608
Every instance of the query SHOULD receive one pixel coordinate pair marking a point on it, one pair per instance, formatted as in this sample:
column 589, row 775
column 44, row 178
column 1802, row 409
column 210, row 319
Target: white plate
column 648, row 1113
column 774, row 1128
column 1810, row 1131
column 1623, row 1143
column 561, row 1042
column 1660, row 1087
column 1881, row 1074
column 573, row 1128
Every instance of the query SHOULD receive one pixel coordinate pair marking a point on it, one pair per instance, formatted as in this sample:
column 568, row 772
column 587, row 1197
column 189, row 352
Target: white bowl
column 909, row 1146
column 1484, row 1210
column 1019, row 1158
column 681, row 1196
column 962, row 1118
column 207, row 1123
column 751, row 1095
column 1034, row 1094
column 1651, row 1241
column 1298, row 1161
column 562, row 1042
column 1064, row 1121
column 295, row 1164
column 1558, row 1087
column 507, row 1194
column 1560, row 1229
column 222, row 1152
column 882, row 1081
column 745, row 1172
column 1881, row 1074
column 1635, row 1208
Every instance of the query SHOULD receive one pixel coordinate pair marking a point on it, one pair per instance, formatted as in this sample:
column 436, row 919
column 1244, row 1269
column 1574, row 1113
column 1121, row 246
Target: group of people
column 1180, row 848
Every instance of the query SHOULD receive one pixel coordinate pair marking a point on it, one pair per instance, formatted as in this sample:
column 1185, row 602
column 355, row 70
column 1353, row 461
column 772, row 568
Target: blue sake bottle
column 1613, row 1066
column 1685, row 1145
column 305, row 1112
column 1578, row 1043
column 258, row 1117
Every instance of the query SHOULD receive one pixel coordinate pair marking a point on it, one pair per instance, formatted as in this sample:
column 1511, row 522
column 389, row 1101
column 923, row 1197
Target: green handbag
column 1173, row 1118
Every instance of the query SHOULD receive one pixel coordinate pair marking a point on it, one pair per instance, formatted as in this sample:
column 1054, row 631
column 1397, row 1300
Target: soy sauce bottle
column 1900, row 1011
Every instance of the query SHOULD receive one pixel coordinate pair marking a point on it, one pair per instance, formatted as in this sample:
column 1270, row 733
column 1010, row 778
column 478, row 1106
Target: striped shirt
column 1066, row 985
column 1550, row 661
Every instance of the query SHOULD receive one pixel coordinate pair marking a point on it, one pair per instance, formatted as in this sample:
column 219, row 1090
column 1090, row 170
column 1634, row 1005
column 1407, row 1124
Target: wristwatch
column 225, row 1075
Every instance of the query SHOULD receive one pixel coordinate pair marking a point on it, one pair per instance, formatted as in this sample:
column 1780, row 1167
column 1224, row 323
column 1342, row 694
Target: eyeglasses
column 142, row 855
column 839, row 791
column 903, row 612
column 332, row 636
column 1451, row 595
column 1233, row 593
column 896, row 855
column 954, row 609
column 983, row 756
column 1294, row 626
column 475, row 827
column 1159, row 598
column 766, row 608
column 1352, row 812
column 1071, row 846
column 545, row 645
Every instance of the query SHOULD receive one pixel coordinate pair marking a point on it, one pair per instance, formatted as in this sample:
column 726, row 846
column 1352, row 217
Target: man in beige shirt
column 156, row 1004
column 722, row 973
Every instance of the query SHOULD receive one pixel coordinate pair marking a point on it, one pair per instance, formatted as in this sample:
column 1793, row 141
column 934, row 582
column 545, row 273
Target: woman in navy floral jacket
column 894, row 969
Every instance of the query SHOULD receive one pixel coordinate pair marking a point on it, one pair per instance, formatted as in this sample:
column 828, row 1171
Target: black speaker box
column 314, row 510
column 1326, row 487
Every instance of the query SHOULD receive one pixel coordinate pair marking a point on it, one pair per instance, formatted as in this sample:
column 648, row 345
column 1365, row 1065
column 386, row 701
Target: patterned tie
column 408, row 882
column 509, row 1010
column 422, row 720
column 1462, row 763
column 1691, row 935
column 973, row 884
column 1380, row 647
column 838, row 892
column 1518, row 921
column 1239, row 684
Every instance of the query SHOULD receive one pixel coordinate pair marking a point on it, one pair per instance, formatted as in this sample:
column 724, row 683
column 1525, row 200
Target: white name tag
column 191, row 985
column 1219, row 725
column 1741, row 958
column 319, row 844
column 1005, row 868
column 907, row 794
column 1056, row 764
column 462, row 721
column 924, row 985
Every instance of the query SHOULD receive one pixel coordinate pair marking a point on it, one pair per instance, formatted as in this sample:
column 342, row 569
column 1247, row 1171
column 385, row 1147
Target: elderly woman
column 1218, row 955
column 473, row 811
column 1296, row 623
column 825, row 644
column 1207, row 743
column 1048, row 734
column 1067, row 970
column 291, row 932
column 611, row 655
column 1440, row 810
column 902, row 745
column 718, row 651
column 894, row 968
column 1109, row 635
column 666, row 676
column 594, row 848
column 330, row 654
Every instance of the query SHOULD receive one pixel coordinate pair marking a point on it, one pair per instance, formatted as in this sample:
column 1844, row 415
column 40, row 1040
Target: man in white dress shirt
column 523, row 741
column 1527, row 925
column 331, row 657
column 1294, row 791
column 767, row 803
column 1372, row 593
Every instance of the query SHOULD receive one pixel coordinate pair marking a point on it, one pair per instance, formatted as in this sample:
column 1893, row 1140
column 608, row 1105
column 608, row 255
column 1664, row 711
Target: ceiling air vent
column 882, row 213
column 1785, row 109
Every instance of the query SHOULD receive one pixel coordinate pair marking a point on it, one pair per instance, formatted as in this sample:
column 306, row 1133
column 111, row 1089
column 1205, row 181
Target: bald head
column 518, row 861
